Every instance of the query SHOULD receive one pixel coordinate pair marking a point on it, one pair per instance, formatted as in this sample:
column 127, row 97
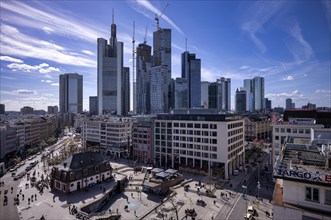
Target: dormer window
column 85, row 172
column 72, row 175
column 96, row 169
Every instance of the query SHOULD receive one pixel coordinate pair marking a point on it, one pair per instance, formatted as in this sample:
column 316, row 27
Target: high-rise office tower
column 125, row 86
column 160, row 76
column 219, row 94
column 258, row 93
column 181, row 93
column 159, row 89
column 267, row 104
column 255, row 94
column 71, row 93
column 93, row 105
column 241, row 100
column 143, row 68
column 204, row 94
column 225, row 93
column 191, row 71
column 110, row 75
column 289, row 103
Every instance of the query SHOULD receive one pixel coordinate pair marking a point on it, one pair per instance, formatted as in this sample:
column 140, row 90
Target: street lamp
column 258, row 192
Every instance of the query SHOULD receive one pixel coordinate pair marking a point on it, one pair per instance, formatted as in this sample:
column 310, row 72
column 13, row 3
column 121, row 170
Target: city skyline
column 287, row 43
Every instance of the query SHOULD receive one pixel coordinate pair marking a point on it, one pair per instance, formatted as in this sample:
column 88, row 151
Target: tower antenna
column 133, row 71
column 185, row 44
column 145, row 38
column 113, row 16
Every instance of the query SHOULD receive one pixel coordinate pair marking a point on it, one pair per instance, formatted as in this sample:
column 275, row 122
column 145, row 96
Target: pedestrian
column 35, row 196
column 54, row 198
column 22, row 197
column 132, row 195
column 69, row 209
column 214, row 202
column 109, row 211
column 135, row 213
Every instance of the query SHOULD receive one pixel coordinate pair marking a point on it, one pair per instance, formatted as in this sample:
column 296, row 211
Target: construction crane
column 157, row 17
column 133, row 70
column 145, row 38
column 157, row 56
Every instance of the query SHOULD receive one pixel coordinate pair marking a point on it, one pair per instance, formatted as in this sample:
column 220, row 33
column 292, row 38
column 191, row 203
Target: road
column 10, row 211
column 265, row 193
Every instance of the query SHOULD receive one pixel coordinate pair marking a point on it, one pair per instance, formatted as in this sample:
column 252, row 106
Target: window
column 72, row 175
column 96, row 169
column 312, row 194
column 328, row 197
column 85, row 172
column 276, row 129
column 282, row 130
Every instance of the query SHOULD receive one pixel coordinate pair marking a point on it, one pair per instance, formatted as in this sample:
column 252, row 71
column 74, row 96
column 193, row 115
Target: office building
column 52, row 109
column 110, row 135
column 199, row 141
column 142, row 138
column 241, row 100
column 191, row 71
column 2, row 109
column 255, row 94
column 111, row 82
column 257, row 128
column 309, row 106
column 293, row 128
column 303, row 180
column 181, row 93
column 219, row 94
column 159, row 89
column 8, row 141
column 125, row 102
column 204, row 94
column 71, row 93
column 162, row 48
column 93, row 105
column 27, row 110
column 143, row 68
column 289, row 103
column 267, row 104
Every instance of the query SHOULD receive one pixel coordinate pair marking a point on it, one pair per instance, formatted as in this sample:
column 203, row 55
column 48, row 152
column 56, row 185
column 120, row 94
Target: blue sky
column 287, row 42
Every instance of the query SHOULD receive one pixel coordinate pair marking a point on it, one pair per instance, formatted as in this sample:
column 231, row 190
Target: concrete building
column 181, row 93
column 112, row 76
column 241, row 100
column 143, row 68
column 200, row 141
column 204, row 94
column 142, row 139
column 2, row 109
column 71, row 93
column 303, row 180
column 93, row 105
column 8, row 141
column 309, row 106
column 80, row 171
column 191, row 71
column 27, row 110
column 257, row 128
column 111, row 135
column 289, row 104
column 52, row 109
column 295, row 127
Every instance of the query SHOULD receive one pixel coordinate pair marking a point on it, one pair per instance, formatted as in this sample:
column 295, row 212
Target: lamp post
column 258, row 193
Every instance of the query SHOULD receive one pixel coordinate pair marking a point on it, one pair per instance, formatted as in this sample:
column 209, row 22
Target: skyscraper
column 2, row 108
column 204, row 93
column 289, row 103
column 191, row 71
column 71, row 93
column 225, row 93
column 214, row 95
column 110, row 75
column 255, row 94
column 143, row 68
column 160, row 76
column 125, row 86
column 181, row 93
column 93, row 105
column 241, row 100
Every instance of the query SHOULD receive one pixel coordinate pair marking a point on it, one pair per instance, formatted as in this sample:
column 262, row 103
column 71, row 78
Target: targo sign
column 318, row 177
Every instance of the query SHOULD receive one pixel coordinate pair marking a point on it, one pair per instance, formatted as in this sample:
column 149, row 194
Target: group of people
column 72, row 210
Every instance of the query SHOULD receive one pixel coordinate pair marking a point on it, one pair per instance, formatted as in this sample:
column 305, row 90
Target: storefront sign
column 318, row 177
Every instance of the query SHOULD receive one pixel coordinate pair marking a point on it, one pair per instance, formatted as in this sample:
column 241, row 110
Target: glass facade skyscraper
column 191, row 71
column 71, row 93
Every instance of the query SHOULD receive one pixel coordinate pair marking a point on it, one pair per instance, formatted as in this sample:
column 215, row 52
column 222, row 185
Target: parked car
column 251, row 210
column 248, row 216
column 235, row 172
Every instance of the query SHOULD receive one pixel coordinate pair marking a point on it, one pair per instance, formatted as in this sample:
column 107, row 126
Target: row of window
column 235, row 125
column 234, row 132
column 313, row 195
column 194, row 125
column 293, row 130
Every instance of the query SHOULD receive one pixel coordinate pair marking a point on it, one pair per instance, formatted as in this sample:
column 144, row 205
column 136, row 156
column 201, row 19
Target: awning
column 157, row 170
column 162, row 174
column 172, row 171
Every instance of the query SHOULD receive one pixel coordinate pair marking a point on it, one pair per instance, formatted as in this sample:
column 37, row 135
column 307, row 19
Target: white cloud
column 24, row 92
column 54, row 84
column 288, row 78
column 10, row 59
column 244, row 67
column 14, row 42
column 46, row 81
column 88, row 52
column 48, row 30
column 323, row 91
column 41, row 68
column 146, row 4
